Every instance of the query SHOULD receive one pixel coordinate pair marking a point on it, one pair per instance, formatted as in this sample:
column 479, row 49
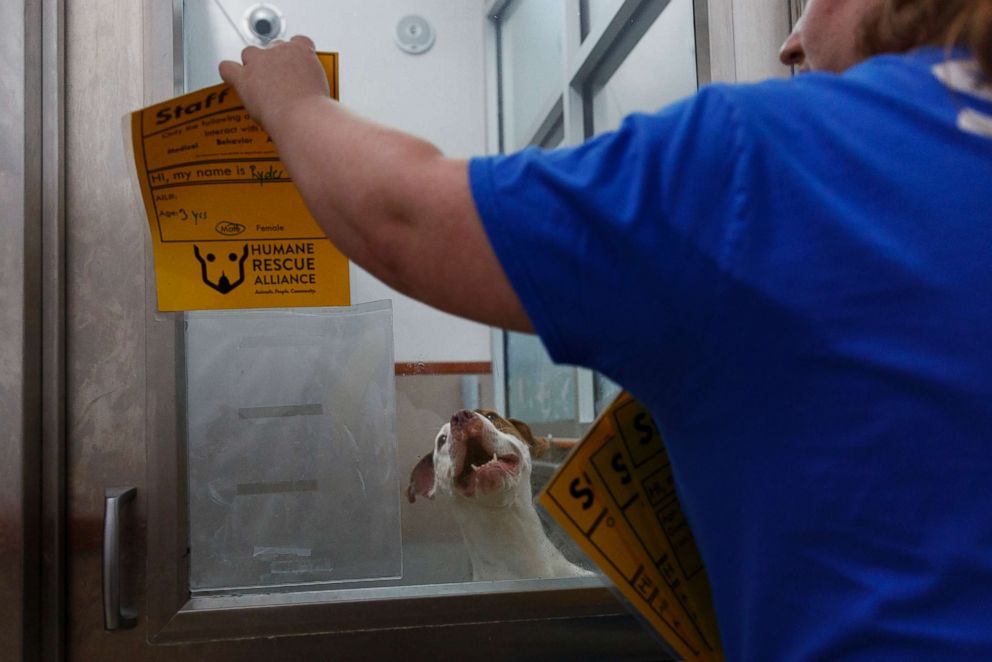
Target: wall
column 439, row 96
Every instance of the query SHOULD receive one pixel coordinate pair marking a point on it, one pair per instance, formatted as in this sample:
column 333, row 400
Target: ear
column 422, row 479
column 538, row 447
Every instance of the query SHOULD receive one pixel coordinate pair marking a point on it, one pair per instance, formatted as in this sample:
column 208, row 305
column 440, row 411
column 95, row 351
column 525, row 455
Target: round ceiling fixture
column 414, row 34
column 265, row 23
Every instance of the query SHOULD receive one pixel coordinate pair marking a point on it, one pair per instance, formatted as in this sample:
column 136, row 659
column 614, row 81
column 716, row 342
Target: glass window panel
column 660, row 70
column 295, row 445
column 605, row 392
column 441, row 96
column 538, row 391
column 532, row 67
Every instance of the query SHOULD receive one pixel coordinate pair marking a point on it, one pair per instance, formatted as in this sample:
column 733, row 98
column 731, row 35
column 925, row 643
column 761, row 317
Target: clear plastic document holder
column 292, row 447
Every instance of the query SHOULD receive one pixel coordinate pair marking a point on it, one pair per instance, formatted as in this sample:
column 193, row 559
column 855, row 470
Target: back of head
column 901, row 25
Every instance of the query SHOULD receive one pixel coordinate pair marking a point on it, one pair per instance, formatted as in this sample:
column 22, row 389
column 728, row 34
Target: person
column 794, row 275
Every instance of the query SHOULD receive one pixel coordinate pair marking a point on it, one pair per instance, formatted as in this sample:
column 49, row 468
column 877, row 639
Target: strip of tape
column 280, row 487
column 284, row 411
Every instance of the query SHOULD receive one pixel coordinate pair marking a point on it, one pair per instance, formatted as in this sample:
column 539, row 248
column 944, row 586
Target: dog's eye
column 440, row 440
column 492, row 417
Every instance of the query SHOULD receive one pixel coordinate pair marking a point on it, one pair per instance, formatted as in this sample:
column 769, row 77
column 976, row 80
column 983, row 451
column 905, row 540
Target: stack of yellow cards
column 615, row 496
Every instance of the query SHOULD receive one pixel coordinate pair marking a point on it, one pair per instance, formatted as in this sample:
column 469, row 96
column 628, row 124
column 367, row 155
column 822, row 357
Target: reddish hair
column 901, row 25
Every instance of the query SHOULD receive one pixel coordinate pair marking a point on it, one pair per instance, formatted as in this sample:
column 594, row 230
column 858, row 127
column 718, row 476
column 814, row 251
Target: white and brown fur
column 483, row 463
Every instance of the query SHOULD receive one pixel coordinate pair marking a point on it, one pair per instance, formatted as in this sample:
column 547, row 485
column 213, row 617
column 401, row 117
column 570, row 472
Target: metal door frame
column 32, row 494
column 20, row 324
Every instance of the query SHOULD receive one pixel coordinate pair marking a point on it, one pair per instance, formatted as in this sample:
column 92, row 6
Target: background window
column 659, row 70
column 596, row 15
column 532, row 67
column 641, row 66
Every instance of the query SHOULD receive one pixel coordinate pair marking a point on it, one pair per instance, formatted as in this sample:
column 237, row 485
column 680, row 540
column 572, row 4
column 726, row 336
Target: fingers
column 253, row 57
column 306, row 41
column 250, row 53
column 231, row 72
column 303, row 40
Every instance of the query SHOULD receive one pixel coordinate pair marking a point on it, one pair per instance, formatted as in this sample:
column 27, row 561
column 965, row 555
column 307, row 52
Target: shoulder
column 883, row 83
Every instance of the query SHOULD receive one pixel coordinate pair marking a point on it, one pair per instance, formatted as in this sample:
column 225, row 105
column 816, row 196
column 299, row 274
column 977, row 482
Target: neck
column 509, row 542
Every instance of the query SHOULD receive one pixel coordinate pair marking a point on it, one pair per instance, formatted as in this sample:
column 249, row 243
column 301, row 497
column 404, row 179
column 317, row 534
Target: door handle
column 115, row 617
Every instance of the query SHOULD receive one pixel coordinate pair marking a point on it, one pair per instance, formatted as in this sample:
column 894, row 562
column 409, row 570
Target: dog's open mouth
column 483, row 469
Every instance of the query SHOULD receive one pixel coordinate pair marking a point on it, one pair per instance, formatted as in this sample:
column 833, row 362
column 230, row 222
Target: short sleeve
column 615, row 247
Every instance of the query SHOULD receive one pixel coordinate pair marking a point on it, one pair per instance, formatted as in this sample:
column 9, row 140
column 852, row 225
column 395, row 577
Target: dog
column 483, row 462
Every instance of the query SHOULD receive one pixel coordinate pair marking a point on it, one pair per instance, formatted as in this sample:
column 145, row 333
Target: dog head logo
column 214, row 268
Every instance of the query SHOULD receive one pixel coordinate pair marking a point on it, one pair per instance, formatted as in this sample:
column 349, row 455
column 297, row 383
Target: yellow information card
column 615, row 495
column 229, row 228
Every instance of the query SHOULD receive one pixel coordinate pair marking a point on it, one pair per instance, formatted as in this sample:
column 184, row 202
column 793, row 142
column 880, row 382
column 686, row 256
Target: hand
column 276, row 79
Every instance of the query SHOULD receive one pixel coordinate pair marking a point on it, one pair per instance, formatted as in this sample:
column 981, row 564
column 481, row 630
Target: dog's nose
column 461, row 417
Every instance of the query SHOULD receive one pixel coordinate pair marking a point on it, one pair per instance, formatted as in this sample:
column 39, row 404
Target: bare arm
column 390, row 202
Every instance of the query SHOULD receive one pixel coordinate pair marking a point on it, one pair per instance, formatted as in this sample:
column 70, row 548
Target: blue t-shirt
column 796, row 278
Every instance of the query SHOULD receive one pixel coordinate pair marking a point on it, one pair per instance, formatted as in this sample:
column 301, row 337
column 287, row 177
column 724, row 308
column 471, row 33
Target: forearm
column 396, row 207
column 359, row 180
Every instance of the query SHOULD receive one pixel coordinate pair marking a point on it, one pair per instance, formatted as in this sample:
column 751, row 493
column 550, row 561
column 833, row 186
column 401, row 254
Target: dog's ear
column 422, row 479
column 538, row 445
